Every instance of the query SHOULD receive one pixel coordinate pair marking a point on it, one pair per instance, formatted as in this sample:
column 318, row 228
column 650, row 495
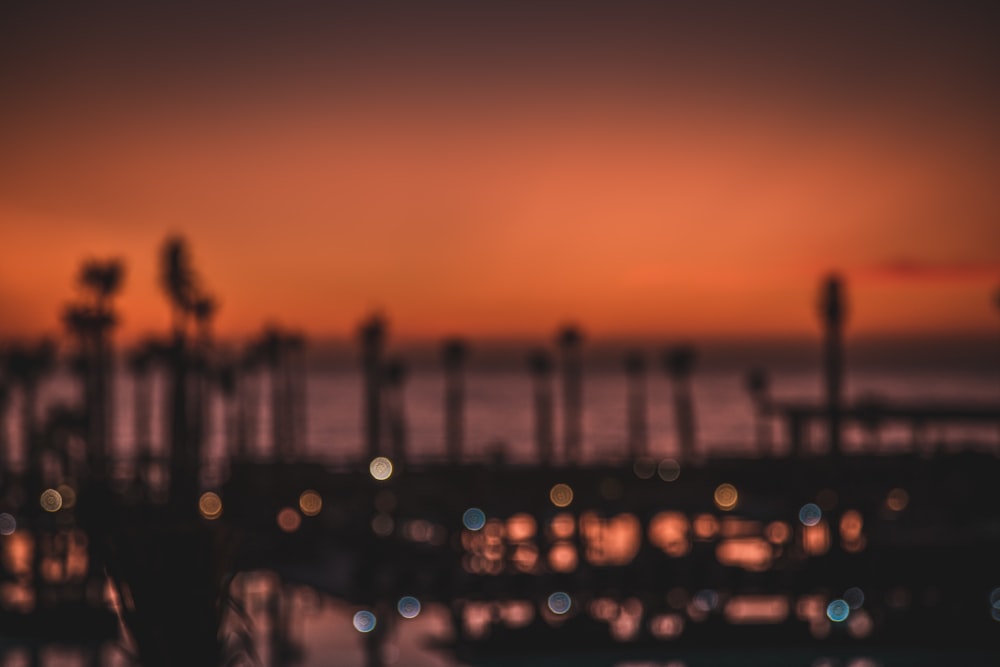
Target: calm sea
column 499, row 411
column 500, row 414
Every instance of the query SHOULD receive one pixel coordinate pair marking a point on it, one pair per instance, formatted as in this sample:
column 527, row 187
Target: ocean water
column 499, row 412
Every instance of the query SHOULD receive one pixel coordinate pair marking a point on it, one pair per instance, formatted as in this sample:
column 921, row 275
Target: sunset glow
column 698, row 188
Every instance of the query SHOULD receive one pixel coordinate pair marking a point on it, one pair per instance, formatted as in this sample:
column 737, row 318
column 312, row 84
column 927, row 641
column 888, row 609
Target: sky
column 495, row 169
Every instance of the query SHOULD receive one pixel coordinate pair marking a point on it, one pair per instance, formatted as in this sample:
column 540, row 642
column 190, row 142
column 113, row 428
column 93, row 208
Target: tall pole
column 638, row 432
column 569, row 341
column 372, row 334
column 395, row 376
column 758, row 386
column 679, row 362
column 832, row 311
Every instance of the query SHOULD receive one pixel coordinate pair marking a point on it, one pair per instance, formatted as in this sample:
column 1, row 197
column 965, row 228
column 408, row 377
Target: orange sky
column 701, row 192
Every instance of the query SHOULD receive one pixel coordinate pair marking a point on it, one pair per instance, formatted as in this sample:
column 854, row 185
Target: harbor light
column 474, row 518
column 559, row 603
column 669, row 470
column 726, row 496
column 51, row 500
column 838, row 611
column 289, row 520
column 380, row 468
column 561, row 495
column 364, row 621
column 810, row 514
column 408, row 606
column 310, row 502
column 210, row 505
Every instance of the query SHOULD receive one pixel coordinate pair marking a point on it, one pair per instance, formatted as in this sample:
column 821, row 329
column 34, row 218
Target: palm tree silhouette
column 679, row 365
column 372, row 334
column 178, row 281
column 395, row 409
column 758, row 385
column 25, row 365
column 569, row 340
column 283, row 351
column 141, row 363
column 90, row 323
column 540, row 365
column 4, row 403
column 638, row 433
column 181, row 285
column 833, row 314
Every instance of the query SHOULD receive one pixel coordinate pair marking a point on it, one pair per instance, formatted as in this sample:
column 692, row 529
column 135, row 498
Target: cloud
column 909, row 269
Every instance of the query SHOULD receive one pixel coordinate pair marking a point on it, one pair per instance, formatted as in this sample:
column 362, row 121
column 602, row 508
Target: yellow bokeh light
column 380, row 468
column 561, row 495
column 310, row 502
column 51, row 500
column 726, row 497
column 210, row 505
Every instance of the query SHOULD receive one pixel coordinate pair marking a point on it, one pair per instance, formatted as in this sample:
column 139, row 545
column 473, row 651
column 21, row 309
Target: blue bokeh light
column 810, row 514
column 408, row 606
column 8, row 524
column 364, row 621
column 474, row 518
column 838, row 611
column 559, row 603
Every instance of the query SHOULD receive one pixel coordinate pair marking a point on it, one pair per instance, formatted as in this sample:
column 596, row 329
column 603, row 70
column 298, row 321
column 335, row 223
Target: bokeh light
column 838, row 611
column 855, row 597
column 705, row 600
column 897, row 500
column 561, row 495
column 68, row 495
column 210, row 505
column 810, row 514
column 644, row 468
column 860, row 624
column 521, row 527
column 7, row 524
column 408, row 606
column 51, row 500
column 562, row 526
column 669, row 470
column 559, row 603
column 310, row 502
column 777, row 532
column 383, row 525
column 563, row 557
column 706, row 526
column 364, row 621
column 380, row 468
column 474, row 518
column 726, row 496
column 289, row 520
